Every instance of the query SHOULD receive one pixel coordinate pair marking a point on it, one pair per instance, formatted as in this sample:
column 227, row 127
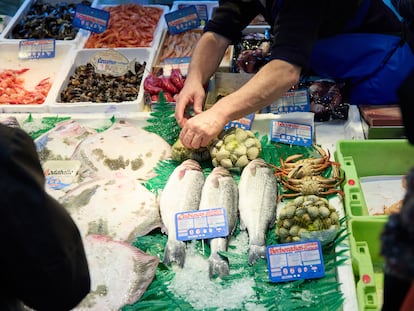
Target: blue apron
column 372, row 65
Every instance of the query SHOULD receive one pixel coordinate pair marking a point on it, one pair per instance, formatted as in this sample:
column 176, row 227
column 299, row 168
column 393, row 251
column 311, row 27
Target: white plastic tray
column 79, row 40
column 39, row 69
column 82, row 57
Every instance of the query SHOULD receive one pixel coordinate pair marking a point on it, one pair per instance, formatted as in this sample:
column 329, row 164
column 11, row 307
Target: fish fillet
column 257, row 205
column 120, row 273
column 119, row 207
column 181, row 193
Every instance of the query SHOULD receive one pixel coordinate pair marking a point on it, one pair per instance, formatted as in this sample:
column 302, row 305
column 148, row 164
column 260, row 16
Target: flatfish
column 181, row 193
column 61, row 141
column 120, row 273
column 220, row 191
column 120, row 207
column 257, row 205
column 122, row 149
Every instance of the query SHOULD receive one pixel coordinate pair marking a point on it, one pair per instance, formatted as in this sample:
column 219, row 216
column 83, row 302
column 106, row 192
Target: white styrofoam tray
column 79, row 40
column 82, row 57
column 39, row 69
column 162, row 25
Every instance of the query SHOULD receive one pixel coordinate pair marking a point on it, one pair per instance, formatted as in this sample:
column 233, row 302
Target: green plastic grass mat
column 163, row 294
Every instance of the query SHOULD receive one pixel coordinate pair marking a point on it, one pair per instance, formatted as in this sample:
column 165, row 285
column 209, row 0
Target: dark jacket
column 43, row 263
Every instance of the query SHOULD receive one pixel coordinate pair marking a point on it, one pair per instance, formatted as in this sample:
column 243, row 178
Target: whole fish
column 120, row 273
column 181, row 193
column 220, row 191
column 257, row 205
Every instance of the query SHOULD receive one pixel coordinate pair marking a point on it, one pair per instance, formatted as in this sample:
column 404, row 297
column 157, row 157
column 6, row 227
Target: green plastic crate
column 363, row 158
column 367, row 263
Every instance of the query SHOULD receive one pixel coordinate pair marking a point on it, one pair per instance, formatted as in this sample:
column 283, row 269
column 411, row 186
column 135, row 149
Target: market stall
column 101, row 115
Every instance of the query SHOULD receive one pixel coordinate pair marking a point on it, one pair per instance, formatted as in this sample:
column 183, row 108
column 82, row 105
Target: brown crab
column 316, row 185
column 291, row 167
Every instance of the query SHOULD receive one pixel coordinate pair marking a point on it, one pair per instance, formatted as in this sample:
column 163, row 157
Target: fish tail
column 256, row 252
column 174, row 253
column 218, row 266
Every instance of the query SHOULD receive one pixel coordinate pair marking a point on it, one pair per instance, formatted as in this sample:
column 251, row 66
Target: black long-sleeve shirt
column 42, row 261
column 297, row 24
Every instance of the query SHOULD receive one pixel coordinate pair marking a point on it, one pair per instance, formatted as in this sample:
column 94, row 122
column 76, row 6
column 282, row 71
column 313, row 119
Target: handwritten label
column 92, row 19
column 201, row 224
column 60, row 174
column 37, row 48
column 182, row 20
column 294, row 261
column 291, row 133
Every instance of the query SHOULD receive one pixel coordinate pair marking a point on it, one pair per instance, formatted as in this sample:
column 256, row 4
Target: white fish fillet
column 220, row 191
column 181, row 193
column 257, row 205
column 123, row 149
column 119, row 207
column 61, row 141
column 120, row 273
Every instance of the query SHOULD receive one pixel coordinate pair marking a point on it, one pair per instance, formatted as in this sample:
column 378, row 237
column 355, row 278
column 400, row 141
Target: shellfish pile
column 85, row 85
column 307, row 217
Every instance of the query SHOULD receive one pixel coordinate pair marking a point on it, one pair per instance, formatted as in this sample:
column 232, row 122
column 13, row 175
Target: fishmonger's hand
column 192, row 94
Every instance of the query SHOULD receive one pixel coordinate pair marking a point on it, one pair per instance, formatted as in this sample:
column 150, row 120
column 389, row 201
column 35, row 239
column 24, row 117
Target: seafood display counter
column 114, row 136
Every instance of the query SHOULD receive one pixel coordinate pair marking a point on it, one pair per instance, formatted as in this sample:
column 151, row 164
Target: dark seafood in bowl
column 45, row 20
column 85, row 85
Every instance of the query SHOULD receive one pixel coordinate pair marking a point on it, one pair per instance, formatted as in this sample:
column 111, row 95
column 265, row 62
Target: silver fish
column 220, row 191
column 181, row 193
column 257, row 205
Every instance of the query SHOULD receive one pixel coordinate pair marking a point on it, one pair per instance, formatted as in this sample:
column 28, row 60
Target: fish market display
column 130, row 25
column 120, row 273
column 85, row 85
column 257, row 205
column 13, row 90
column 61, row 141
column 48, row 20
column 118, row 207
column 181, row 193
column 123, row 149
column 220, row 191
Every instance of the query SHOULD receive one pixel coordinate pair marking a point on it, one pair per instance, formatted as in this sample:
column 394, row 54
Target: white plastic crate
column 82, row 57
column 7, row 34
column 162, row 25
column 39, row 69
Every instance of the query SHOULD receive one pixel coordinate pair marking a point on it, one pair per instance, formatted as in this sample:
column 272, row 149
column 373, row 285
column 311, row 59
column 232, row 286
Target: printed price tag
column 202, row 11
column 92, row 19
column 182, row 20
column 36, row 48
column 60, row 174
column 201, row 224
column 292, row 101
column 244, row 123
column 293, row 261
column 291, row 133
column 181, row 63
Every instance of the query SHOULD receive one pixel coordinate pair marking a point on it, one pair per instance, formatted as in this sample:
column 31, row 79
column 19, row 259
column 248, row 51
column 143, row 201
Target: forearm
column 206, row 57
column 268, row 85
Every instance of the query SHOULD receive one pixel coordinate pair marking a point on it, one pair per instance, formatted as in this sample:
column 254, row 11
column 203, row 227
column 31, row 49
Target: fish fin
column 174, row 253
column 256, row 252
column 218, row 266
